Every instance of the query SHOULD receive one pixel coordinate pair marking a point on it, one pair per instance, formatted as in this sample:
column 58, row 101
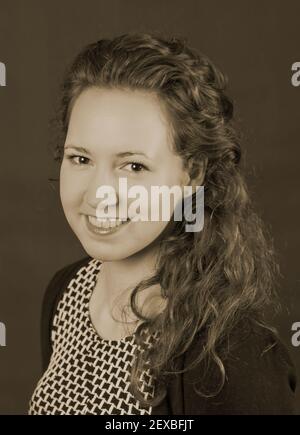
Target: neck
column 117, row 279
column 121, row 274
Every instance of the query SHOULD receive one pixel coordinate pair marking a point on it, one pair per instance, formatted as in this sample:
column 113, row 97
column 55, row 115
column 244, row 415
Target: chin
column 105, row 253
column 116, row 249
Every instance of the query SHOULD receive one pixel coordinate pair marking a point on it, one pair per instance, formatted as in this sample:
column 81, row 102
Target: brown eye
column 82, row 160
column 78, row 160
column 137, row 167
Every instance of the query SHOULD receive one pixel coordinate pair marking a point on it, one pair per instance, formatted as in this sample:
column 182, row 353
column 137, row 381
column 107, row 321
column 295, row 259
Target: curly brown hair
column 224, row 274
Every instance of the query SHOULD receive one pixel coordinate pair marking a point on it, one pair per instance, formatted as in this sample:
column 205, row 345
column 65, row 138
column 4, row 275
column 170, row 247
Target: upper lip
column 91, row 215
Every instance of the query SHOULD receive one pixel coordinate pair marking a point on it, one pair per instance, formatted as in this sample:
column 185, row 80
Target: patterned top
column 87, row 374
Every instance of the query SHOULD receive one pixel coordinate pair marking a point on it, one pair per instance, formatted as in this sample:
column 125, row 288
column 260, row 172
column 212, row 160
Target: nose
column 101, row 182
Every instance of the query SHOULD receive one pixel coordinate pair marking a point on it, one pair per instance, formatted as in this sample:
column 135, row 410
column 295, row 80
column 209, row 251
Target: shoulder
column 69, row 269
column 53, row 292
column 58, row 281
column 260, row 377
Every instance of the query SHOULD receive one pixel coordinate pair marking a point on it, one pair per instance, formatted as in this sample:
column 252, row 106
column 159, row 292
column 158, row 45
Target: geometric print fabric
column 87, row 374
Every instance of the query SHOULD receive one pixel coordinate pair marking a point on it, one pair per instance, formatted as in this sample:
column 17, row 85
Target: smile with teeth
column 105, row 222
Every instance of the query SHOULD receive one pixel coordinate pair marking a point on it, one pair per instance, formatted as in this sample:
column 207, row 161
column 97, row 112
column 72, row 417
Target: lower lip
column 103, row 231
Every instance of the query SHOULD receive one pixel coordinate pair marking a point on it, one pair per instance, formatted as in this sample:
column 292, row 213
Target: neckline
column 96, row 268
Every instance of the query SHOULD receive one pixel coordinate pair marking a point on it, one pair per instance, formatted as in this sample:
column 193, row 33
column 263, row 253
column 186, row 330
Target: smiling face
column 116, row 134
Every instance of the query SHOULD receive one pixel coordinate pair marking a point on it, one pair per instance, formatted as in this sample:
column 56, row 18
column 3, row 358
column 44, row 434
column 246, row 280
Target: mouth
column 104, row 226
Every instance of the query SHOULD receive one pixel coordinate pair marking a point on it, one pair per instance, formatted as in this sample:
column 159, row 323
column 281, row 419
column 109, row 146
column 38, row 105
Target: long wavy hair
column 212, row 279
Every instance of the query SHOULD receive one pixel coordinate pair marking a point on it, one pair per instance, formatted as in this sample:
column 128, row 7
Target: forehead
column 110, row 116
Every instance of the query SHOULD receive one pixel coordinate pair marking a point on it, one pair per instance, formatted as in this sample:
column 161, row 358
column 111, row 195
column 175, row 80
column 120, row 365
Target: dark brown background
column 254, row 42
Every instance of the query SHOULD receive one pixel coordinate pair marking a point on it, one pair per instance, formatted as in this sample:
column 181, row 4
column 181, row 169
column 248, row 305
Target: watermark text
column 296, row 74
column 2, row 74
column 296, row 336
column 157, row 205
column 2, row 334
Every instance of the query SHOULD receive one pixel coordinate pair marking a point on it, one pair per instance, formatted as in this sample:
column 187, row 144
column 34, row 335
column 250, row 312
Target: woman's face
column 116, row 134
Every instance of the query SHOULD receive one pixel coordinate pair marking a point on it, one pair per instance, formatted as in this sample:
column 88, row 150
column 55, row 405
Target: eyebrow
column 122, row 154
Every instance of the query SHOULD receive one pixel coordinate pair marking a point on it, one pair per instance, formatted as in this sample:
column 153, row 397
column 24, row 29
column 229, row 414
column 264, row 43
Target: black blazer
column 260, row 377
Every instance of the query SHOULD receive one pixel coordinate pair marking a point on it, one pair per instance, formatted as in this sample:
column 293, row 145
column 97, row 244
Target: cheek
column 174, row 179
column 146, row 232
column 70, row 189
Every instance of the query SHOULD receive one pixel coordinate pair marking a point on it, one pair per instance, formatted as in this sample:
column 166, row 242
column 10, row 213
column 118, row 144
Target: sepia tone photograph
column 149, row 188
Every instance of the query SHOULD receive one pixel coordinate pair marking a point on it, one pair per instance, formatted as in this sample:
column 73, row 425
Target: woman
column 157, row 319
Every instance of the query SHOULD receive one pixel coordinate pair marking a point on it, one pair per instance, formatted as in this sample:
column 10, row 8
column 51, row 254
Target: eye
column 78, row 160
column 137, row 167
